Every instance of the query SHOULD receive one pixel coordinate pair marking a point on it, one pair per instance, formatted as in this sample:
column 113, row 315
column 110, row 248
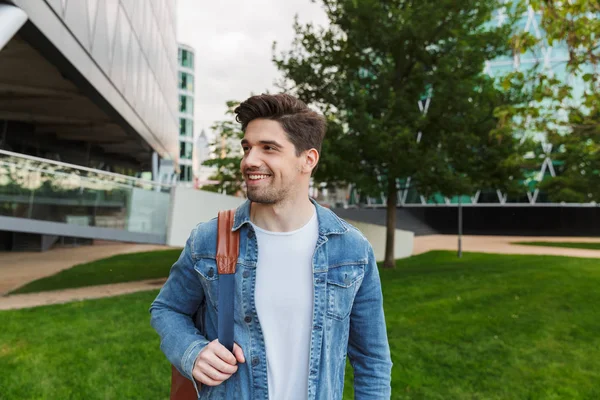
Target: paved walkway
column 24, row 267
column 17, row 301
column 503, row 245
column 19, row 268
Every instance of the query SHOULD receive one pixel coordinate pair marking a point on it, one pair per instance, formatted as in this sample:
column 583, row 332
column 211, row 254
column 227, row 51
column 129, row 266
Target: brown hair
column 304, row 127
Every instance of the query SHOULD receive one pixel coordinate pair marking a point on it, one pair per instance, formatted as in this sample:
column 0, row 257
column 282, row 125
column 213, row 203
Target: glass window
column 186, row 82
column 185, row 175
column 185, row 150
column 190, row 83
column 182, row 82
column 186, row 104
column 186, row 58
column 186, row 127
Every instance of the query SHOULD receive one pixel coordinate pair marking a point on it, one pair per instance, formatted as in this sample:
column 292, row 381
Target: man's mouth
column 257, row 177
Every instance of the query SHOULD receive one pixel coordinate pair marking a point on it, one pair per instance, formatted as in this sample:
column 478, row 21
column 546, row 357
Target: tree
column 566, row 111
column 403, row 88
column 227, row 155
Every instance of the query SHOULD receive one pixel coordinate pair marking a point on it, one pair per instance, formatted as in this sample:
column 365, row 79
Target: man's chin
column 260, row 198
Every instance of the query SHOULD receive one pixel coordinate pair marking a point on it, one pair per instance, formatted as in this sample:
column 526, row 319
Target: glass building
column 89, row 104
column 186, row 112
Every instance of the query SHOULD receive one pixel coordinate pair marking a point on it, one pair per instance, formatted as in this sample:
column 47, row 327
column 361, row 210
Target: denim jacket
column 348, row 314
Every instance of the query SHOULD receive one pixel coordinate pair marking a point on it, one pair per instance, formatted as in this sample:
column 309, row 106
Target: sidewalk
column 19, row 268
column 502, row 245
column 18, row 301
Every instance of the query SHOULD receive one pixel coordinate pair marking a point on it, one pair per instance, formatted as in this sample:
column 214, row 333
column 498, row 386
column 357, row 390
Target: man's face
column 271, row 169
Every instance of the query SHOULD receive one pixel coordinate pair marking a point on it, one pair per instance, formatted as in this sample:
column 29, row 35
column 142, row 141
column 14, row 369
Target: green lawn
column 569, row 245
column 120, row 268
column 482, row 327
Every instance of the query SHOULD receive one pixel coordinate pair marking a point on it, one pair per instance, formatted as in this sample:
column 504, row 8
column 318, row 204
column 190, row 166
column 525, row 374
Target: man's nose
column 251, row 160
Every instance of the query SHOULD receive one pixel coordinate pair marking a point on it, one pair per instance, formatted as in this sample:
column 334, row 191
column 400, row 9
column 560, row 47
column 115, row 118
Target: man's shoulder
column 352, row 243
column 353, row 233
column 204, row 238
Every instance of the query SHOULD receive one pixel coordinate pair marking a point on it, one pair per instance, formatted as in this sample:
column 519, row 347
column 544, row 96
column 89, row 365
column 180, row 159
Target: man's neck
column 282, row 217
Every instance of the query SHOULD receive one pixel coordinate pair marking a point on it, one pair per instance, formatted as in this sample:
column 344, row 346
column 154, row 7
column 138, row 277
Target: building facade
column 88, row 102
column 186, row 112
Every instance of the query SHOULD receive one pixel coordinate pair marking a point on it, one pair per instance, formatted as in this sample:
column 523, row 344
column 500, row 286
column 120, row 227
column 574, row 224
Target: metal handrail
column 67, row 175
column 82, row 168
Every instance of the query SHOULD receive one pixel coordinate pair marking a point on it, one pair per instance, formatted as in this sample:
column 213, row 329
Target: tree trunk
column 392, row 199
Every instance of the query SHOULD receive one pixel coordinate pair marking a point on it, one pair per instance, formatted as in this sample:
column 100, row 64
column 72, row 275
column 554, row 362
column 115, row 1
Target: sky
column 233, row 41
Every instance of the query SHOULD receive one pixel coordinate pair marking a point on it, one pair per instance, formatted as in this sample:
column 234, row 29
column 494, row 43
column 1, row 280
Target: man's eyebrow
column 263, row 142
column 270, row 143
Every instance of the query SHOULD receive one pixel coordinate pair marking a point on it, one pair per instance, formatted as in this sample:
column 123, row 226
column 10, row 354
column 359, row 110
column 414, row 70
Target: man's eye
column 246, row 148
column 268, row 148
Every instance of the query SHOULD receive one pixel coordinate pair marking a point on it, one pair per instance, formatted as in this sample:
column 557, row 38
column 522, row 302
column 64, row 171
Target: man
column 307, row 286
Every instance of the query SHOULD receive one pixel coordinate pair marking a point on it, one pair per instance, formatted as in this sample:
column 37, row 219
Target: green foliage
column 370, row 69
column 566, row 111
column 115, row 269
column 227, row 155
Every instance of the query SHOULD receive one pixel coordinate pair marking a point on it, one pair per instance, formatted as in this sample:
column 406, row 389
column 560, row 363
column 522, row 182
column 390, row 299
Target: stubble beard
column 268, row 195
column 265, row 196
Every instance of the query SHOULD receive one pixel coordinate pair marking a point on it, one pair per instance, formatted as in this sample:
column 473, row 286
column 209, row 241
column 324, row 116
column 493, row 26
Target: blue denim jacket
column 348, row 314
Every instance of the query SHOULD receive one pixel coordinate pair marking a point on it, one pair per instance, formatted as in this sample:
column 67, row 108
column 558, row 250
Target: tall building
column 88, row 102
column 186, row 112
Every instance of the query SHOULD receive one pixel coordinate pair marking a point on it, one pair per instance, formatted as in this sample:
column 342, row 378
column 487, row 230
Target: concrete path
column 18, row 301
column 19, row 268
column 502, row 245
column 23, row 267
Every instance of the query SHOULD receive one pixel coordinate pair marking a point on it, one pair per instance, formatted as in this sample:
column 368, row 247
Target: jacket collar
column 329, row 223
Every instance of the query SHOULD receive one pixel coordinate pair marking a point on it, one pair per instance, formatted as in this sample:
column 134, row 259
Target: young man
column 307, row 286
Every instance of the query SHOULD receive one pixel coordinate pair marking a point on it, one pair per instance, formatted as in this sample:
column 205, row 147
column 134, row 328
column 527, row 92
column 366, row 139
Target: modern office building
column 88, row 101
column 186, row 112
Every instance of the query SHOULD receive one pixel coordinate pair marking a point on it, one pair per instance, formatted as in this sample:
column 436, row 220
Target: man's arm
column 368, row 347
column 172, row 310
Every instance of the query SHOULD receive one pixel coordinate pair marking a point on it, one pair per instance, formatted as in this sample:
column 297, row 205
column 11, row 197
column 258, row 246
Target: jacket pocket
column 342, row 285
column 209, row 276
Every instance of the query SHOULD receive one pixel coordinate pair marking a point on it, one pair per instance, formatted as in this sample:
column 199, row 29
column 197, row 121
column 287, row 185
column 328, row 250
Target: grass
column 116, row 269
column 97, row 349
column 569, row 245
column 482, row 327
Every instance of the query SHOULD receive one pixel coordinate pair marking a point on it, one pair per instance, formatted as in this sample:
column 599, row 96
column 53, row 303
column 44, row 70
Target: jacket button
column 211, row 273
column 255, row 361
column 248, row 319
column 246, row 274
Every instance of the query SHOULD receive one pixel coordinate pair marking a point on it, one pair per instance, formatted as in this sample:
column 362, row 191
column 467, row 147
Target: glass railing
column 47, row 190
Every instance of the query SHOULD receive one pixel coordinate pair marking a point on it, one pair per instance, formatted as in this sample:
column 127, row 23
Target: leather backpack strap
column 228, row 250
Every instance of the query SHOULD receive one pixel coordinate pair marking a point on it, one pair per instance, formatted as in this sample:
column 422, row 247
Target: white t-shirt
column 284, row 298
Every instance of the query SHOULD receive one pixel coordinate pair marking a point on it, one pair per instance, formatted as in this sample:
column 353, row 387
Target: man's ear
column 311, row 159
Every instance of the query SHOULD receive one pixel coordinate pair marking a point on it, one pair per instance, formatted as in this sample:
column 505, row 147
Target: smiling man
column 307, row 285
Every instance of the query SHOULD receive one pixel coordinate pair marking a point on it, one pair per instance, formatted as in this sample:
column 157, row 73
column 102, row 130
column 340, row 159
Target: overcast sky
column 232, row 40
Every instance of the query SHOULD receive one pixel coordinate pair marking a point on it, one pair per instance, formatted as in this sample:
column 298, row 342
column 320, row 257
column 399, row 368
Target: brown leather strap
column 228, row 249
column 228, row 243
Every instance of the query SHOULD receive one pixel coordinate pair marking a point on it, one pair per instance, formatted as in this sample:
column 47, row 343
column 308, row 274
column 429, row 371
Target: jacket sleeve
column 172, row 310
column 368, row 347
